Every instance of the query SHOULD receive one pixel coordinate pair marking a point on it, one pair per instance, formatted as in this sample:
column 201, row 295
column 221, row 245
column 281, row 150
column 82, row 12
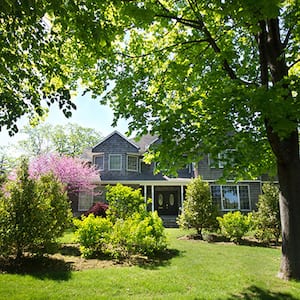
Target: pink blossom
column 77, row 174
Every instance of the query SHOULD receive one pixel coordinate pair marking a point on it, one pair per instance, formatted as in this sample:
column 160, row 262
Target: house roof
column 122, row 136
column 145, row 141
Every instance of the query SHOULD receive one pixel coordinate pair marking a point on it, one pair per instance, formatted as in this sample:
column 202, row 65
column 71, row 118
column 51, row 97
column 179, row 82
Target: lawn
column 192, row 270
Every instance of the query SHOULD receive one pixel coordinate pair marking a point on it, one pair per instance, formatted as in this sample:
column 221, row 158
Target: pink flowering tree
column 75, row 173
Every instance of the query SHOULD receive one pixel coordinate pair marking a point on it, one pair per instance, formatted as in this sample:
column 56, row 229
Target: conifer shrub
column 33, row 213
column 267, row 217
column 199, row 212
column 234, row 225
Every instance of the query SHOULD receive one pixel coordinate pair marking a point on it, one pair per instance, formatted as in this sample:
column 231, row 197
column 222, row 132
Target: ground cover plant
column 191, row 269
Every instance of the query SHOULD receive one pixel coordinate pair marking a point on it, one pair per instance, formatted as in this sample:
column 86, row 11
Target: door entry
column 166, row 202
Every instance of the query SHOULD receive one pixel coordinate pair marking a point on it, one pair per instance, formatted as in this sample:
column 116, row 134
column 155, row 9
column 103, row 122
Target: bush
column 235, row 225
column 198, row 211
column 139, row 234
column 98, row 209
column 267, row 218
column 93, row 234
column 33, row 213
column 124, row 201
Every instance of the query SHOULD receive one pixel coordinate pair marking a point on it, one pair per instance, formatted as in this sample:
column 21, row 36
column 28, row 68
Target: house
column 120, row 160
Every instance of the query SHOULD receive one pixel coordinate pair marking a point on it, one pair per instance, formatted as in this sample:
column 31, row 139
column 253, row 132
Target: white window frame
column 109, row 161
column 137, row 162
column 87, row 198
column 94, row 160
column 238, row 196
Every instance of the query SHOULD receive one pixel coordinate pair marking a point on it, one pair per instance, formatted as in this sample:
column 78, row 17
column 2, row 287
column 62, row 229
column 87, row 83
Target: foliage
column 138, row 234
column 235, row 225
column 198, row 209
column 46, row 50
column 141, row 234
column 267, row 217
column 75, row 173
column 69, row 140
column 33, row 213
column 93, row 234
column 98, row 210
column 124, row 201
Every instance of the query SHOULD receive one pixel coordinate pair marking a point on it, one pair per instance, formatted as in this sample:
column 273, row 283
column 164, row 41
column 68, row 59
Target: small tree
column 33, row 213
column 124, row 201
column 199, row 212
column 75, row 173
column 267, row 217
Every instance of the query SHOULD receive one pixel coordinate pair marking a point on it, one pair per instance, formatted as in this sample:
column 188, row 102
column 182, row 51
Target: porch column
column 181, row 196
column 145, row 193
column 152, row 197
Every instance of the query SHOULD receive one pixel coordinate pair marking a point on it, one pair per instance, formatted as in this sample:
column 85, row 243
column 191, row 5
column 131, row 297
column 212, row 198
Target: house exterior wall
column 160, row 187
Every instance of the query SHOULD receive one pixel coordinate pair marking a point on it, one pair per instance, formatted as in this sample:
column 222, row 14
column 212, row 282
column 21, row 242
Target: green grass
column 197, row 270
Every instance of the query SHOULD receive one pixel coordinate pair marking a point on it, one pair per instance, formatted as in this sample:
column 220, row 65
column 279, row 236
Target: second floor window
column 115, row 162
column 132, row 163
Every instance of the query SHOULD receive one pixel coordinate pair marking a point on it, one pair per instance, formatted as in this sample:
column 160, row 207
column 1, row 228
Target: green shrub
column 123, row 202
column 93, row 234
column 267, row 218
column 199, row 212
column 33, row 213
column 235, row 225
column 140, row 234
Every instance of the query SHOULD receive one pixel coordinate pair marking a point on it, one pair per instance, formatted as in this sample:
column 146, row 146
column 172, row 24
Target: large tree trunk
column 288, row 166
column 289, row 180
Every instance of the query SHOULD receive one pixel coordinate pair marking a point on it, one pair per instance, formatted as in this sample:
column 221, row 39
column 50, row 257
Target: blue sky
column 89, row 113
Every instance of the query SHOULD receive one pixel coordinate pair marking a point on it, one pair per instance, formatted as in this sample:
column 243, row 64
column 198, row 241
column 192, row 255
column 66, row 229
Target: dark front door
column 166, row 202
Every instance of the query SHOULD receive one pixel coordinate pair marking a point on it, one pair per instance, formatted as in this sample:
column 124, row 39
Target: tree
column 198, row 210
column 45, row 48
column 70, row 139
column 208, row 77
column 33, row 213
column 267, row 217
column 75, row 173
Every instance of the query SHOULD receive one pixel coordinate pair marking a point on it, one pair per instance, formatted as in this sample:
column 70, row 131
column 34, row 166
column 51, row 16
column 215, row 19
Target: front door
column 166, row 202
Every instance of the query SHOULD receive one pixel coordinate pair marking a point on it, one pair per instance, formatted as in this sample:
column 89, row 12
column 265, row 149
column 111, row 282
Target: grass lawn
column 196, row 270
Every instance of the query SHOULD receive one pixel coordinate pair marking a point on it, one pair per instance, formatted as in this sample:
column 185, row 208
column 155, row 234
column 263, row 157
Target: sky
column 89, row 114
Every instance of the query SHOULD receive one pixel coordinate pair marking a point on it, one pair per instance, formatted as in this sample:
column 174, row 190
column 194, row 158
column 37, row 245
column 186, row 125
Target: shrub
column 267, row 218
column 124, row 201
column 138, row 234
column 93, row 234
column 199, row 212
column 98, row 209
column 33, row 213
column 235, row 225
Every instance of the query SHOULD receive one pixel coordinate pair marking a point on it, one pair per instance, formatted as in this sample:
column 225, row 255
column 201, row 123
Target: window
column 132, row 163
column 231, row 197
column 99, row 162
column 115, row 162
column 222, row 160
column 85, row 201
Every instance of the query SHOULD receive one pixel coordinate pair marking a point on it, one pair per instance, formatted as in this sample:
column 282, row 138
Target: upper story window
column 132, row 163
column 115, row 162
column 221, row 160
column 99, row 162
column 231, row 197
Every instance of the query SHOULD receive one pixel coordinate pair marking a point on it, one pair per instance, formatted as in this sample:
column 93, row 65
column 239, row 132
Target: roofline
column 121, row 135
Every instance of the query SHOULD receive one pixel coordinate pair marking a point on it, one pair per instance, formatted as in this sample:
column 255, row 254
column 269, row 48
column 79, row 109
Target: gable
column 116, row 143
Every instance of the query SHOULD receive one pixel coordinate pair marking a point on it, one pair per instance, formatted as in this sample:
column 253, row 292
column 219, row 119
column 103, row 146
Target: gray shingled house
column 120, row 160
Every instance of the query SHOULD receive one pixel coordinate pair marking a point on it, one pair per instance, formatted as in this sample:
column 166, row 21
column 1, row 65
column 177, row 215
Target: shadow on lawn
column 161, row 260
column 254, row 292
column 39, row 267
